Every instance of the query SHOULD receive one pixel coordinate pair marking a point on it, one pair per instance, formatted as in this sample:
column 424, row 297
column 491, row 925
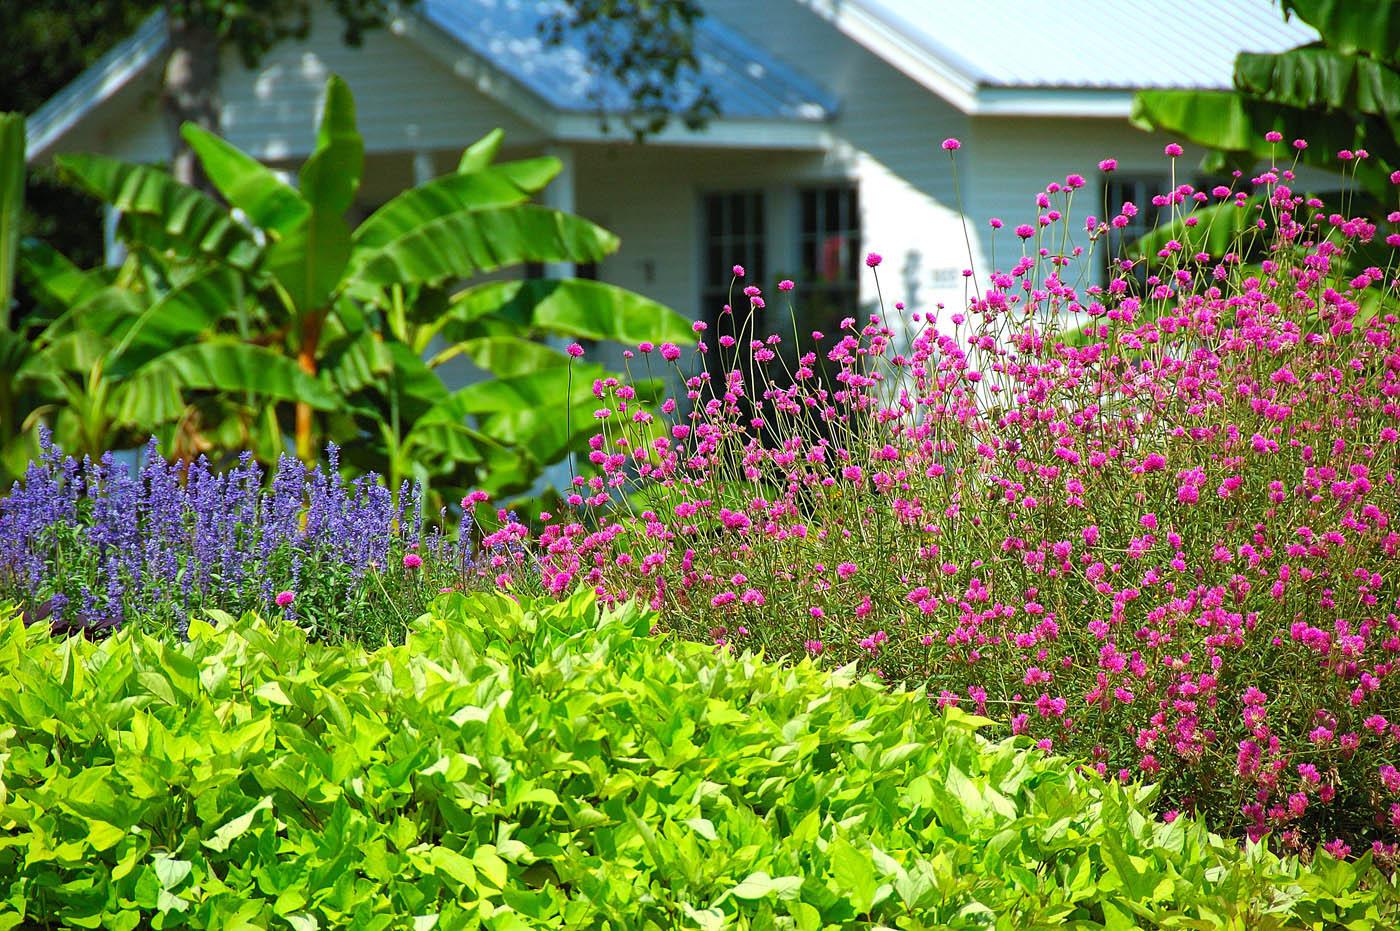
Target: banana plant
column 371, row 312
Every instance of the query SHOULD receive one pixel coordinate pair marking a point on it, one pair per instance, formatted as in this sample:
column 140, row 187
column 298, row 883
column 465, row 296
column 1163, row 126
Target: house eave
column 718, row 133
column 94, row 87
column 1092, row 102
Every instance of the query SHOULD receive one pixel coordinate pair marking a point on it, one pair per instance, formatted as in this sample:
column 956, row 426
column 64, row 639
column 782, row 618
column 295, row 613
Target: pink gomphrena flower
column 1025, row 231
column 951, row 145
column 1395, row 177
column 670, row 352
column 284, row 598
column 575, row 350
column 786, row 285
column 995, row 223
column 1172, row 149
column 474, row 498
column 412, row 561
column 1300, row 144
column 1273, row 135
column 814, row 647
column 738, row 271
column 873, row 259
column 1108, row 164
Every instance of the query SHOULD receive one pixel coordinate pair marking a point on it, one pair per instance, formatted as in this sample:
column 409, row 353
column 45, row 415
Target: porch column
column 559, row 195
column 113, row 249
column 424, row 167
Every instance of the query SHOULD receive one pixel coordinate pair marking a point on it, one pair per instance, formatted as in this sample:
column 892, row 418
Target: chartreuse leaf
column 237, row 827
column 538, row 763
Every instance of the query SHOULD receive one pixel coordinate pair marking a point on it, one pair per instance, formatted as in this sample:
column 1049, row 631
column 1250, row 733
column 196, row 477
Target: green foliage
column 535, row 764
column 11, row 205
column 345, row 317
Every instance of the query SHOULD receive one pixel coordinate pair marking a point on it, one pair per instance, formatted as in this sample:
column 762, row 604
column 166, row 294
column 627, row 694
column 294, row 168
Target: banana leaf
column 245, row 182
column 569, row 307
column 460, row 245
column 179, row 212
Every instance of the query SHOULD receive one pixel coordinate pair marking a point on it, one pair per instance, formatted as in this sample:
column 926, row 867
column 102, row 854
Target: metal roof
column 1104, row 44
column 749, row 82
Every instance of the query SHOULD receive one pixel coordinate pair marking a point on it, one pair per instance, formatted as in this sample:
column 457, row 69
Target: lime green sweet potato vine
column 538, row 766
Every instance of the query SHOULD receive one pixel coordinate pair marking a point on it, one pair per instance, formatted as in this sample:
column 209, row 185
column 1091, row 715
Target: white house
column 828, row 145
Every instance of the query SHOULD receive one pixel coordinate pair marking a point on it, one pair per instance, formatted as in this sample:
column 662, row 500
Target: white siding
column 1010, row 160
column 405, row 99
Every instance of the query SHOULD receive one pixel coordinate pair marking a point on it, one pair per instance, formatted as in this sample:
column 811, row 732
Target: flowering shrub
column 88, row 546
column 532, row 765
column 1169, row 550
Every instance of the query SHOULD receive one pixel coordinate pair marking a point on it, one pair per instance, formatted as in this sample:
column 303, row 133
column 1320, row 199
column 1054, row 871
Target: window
column 828, row 250
column 734, row 234
column 1138, row 191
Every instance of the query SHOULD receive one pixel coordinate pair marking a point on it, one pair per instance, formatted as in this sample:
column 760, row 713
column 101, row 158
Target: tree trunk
column 191, row 90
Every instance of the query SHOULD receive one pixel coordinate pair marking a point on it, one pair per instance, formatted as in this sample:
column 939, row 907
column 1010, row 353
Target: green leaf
column 177, row 318
column 54, row 279
column 481, row 152
column 310, row 260
column 245, row 182
column 1352, row 26
column 440, row 197
column 460, row 245
column 1319, row 79
column 506, row 356
column 155, row 392
column 569, row 307
column 11, row 205
column 1218, row 229
column 331, row 176
column 1219, row 119
column 179, row 212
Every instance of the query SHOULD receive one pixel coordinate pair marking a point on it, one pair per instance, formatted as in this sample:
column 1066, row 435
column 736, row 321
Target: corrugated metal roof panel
column 749, row 82
column 1094, row 43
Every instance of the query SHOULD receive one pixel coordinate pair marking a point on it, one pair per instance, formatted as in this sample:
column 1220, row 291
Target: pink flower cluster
column 1167, row 546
